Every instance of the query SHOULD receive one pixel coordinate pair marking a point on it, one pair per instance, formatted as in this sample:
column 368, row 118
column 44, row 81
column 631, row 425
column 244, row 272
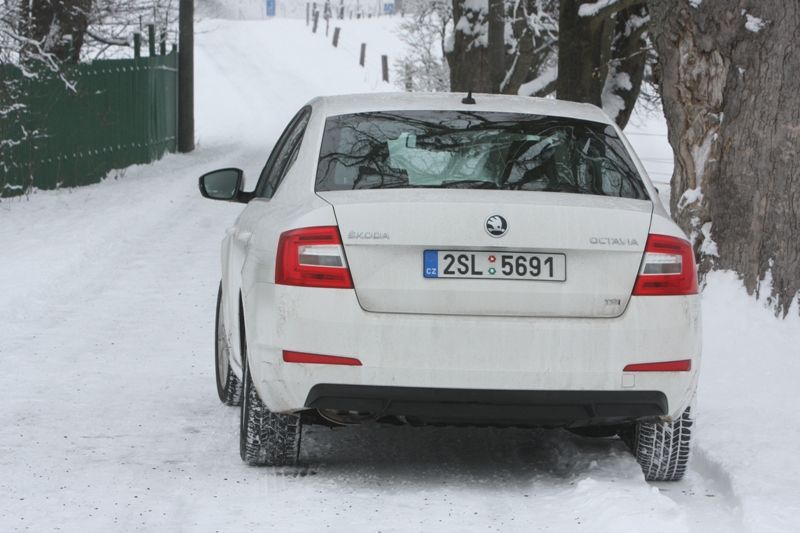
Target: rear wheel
column 265, row 438
column 662, row 449
column 229, row 387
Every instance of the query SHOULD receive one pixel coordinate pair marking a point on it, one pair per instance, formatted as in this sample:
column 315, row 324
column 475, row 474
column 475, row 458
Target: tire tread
column 267, row 438
column 662, row 449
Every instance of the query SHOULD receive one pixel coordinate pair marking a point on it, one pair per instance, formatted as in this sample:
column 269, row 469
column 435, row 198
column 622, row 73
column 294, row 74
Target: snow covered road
column 110, row 418
column 110, row 421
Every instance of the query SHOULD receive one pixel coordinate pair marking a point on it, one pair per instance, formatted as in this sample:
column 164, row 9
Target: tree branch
column 546, row 90
column 610, row 8
column 105, row 40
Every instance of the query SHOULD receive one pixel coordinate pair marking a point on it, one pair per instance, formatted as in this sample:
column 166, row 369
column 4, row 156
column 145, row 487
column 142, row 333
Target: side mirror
column 225, row 184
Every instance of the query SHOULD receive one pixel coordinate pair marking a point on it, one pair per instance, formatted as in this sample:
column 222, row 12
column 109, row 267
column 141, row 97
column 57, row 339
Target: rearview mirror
column 225, row 184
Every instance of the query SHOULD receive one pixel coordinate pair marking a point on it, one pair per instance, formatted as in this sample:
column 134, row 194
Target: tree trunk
column 628, row 57
column 186, row 77
column 534, row 47
column 60, row 26
column 583, row 47
column 470, row 59
column 497, row 43
column 601, row 56
column 730, row 84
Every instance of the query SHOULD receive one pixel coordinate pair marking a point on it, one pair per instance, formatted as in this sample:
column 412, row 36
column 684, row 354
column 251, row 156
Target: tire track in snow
column 708, row 490
column 546, row 462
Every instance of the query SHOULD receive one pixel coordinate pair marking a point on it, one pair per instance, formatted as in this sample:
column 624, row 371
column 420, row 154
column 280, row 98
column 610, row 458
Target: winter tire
column 662, row 449
column 266, row 438
column 229, row 386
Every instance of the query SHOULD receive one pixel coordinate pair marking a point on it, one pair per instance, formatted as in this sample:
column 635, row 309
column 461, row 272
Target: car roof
column 363, row 103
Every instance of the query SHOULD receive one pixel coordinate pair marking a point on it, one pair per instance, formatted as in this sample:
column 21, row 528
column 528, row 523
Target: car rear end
column 475, row 265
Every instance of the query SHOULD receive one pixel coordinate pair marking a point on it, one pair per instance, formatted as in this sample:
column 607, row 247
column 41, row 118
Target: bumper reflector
column 300, row 357
column 684, row 365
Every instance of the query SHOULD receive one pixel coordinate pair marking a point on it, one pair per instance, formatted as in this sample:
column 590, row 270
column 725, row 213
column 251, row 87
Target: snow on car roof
column 362, row 103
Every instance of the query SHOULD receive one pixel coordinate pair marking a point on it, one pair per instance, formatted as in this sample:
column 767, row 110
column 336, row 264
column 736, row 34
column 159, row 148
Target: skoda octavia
column 442, row 259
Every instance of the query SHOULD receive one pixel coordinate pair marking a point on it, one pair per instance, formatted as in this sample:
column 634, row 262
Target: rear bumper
column 491, row 406
column 465, row 352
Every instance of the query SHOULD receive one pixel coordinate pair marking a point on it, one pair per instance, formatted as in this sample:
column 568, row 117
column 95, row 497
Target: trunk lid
column 386, row 232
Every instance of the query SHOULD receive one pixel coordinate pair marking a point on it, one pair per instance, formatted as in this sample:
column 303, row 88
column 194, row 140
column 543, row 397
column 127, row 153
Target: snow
column 110, row 418
column 753, row 24
column 535, row 85
column 256, row 9
column 747, row 427
column 612, row 102
column 690, row 196
column 709, row 246
column 475, row 5
column 700, row 156
column 476, row 25
column 647, row 132
column 590, row 9
column 245, row 68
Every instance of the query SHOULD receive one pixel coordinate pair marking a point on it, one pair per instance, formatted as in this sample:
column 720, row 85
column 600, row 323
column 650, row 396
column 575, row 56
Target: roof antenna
column 469, row 100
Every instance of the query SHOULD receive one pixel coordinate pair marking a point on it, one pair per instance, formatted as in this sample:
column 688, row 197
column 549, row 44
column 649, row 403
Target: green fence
column 117, row 113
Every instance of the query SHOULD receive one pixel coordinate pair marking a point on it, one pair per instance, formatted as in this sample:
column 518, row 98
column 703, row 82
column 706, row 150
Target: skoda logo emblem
column 496, row 226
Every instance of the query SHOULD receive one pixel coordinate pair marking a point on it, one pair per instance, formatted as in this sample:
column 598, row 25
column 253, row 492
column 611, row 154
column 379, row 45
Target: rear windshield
column 474, row 150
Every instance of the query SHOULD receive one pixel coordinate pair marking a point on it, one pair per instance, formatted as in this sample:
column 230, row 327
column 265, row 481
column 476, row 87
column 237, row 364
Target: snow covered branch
column 605, row 8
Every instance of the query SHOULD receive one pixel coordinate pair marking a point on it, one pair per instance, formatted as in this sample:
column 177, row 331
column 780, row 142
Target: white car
column 436, row 259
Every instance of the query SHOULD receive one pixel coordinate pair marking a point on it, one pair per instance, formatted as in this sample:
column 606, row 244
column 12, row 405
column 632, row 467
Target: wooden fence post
column 151, row 39
column 137, row 45
column 336, row 32
column 186, row 76
column 385, row 67
column 316, row 22
column 363, row 56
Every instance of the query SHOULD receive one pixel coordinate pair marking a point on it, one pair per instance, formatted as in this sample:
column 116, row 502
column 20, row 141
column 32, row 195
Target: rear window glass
column 475, row 150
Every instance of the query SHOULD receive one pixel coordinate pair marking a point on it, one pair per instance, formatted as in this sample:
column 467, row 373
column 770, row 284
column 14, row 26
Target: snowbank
column 749, row 426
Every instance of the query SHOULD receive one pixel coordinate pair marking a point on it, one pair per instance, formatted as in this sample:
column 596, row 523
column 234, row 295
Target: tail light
column 684, row 365
column 316, row 359
column 312, row 257
column 668, row 268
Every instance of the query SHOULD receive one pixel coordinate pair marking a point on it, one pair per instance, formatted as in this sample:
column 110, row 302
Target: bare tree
column 531, row 48
column 112, row 24
column 496, row 45
column 730, row 84
column 23, row 58
column 425, row 32
column 591, row 51
column 58, row 25
column 470, row 56
column 73, row 30
column 602, row 54
column 37, row 37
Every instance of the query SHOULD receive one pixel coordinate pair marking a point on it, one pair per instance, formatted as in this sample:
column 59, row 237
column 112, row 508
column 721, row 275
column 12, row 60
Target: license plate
column 494, row 265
